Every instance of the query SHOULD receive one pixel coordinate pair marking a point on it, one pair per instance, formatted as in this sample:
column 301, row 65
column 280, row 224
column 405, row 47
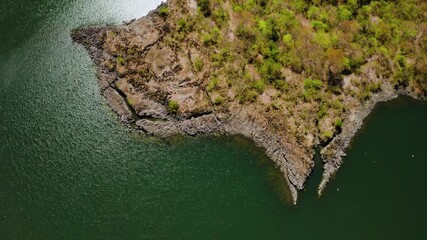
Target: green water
column 69, row 170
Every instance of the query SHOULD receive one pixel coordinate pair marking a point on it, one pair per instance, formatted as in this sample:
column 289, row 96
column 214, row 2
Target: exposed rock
column 159, row 128
column 118, row 105
column 200, row 125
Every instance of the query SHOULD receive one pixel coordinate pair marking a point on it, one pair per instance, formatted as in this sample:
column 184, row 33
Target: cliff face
column 166, row 85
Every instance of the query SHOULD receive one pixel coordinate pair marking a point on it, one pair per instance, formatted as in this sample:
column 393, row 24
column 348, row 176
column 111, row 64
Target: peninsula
column 292, row 75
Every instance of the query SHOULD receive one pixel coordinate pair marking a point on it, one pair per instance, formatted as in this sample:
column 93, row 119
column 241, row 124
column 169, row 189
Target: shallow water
column 70, row 170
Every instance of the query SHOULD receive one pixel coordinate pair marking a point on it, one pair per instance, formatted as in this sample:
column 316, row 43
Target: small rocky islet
column 291, row 75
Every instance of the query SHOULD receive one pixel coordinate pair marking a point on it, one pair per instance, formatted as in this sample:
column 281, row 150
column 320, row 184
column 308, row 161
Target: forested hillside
column 322, row 53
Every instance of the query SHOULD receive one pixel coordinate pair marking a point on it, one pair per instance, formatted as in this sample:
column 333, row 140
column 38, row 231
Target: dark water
column 69, row 170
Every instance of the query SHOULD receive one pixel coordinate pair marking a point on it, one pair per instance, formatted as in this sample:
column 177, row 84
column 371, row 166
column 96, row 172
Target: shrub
column 401, row 60
column 211, row 38
column 212, row 84
column 299, row 5
column 207, row 39
column 264, row 28
column 259, row 85
column 246, row 33
column 311, row 88
column 319, row 25
column 275, row 106
column 120, row 61
column 322, row 111
column 164, row 11
column 323, row 39
column 182, row 25
column 218, row 100
column 343, row 13
column 288, row 18
column 237, row 8
column 270, row 70
column 198, row 64
column 288, row 40
column 312, row 84
column 280, row 84
column 249, row 95
column 220, row 16
column 337, row 60
column 328, row 134
column 338, row 124
column 312, row 12
column 173, row 106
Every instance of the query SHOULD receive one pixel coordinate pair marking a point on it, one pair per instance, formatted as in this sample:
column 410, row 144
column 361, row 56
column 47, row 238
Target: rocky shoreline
column 334, row 152
column 153, row 118
column 141, row 98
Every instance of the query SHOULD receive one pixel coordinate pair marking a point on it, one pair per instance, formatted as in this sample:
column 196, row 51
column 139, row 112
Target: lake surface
column 70, row 170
